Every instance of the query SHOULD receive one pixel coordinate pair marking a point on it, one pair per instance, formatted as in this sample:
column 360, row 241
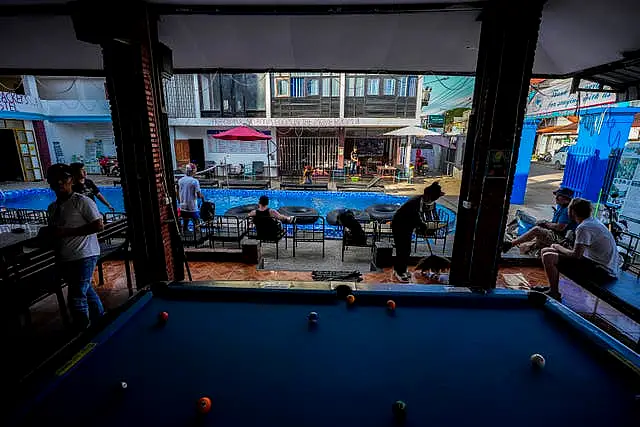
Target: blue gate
column 581, row 162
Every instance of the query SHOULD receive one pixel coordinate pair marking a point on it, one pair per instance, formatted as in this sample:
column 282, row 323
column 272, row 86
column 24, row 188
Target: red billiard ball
column 391, row 305
column 163, row 317
column 204, row 405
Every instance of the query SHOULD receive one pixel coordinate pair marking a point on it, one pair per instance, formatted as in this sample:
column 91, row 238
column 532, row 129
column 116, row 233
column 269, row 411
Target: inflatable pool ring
column 303, row 214
column 382, row 212
column 240, row 211
column 361, row 216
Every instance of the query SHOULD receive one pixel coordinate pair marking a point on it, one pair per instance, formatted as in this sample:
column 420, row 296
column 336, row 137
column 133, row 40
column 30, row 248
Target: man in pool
column 417, row 212
column 86, row 186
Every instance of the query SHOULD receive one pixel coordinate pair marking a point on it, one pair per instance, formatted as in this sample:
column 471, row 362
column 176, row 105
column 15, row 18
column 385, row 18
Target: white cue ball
column 123, row 385
column 537, row 360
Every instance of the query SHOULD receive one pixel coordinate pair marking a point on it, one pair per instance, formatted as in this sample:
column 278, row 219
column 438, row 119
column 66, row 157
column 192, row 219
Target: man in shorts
column 594, row 254
column 188, row 193
column 546, row 233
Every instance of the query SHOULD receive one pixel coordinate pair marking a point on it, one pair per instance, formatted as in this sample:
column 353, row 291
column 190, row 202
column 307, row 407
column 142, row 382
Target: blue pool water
column 322, row 201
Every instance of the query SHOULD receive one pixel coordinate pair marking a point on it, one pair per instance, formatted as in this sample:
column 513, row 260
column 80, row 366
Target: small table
column 386, row 171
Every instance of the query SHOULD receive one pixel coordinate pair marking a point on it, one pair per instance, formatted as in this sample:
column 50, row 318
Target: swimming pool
column 322, row 201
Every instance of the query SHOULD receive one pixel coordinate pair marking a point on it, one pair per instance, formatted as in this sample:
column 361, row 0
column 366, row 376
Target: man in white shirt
column 593, row 256
column 74, row 220
column 188, row 193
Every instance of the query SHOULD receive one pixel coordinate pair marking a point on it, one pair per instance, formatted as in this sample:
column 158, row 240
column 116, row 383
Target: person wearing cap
column 73, row 224
column 86, row 186
column 188, row 193
column 547, row 233
column 417, row 212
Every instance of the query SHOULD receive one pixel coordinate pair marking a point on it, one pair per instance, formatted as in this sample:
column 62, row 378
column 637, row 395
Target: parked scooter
column 109, row 166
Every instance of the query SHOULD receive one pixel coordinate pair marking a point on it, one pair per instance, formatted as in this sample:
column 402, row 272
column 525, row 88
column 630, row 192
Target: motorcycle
column 109, row 166
column 618, row 227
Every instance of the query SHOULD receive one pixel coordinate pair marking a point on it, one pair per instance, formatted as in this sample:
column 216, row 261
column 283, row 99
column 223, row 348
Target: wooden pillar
column 132, row 63
column 505, row 59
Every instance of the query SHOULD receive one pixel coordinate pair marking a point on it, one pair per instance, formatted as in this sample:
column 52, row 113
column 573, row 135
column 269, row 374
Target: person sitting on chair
column 547, row 233
column 266, row 220
column 594, row 254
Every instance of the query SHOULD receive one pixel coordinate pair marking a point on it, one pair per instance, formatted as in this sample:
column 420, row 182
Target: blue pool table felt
column 262, row 365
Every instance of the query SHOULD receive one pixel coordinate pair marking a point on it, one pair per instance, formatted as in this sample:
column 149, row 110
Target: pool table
column 456, row 357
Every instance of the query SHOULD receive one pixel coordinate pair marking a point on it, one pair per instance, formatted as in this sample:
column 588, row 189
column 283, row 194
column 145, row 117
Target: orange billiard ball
column 351, row 299
column 391, row 305
column 204, row 405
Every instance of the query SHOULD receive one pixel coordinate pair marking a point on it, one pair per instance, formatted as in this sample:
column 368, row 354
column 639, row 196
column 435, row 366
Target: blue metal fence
column 581, row 162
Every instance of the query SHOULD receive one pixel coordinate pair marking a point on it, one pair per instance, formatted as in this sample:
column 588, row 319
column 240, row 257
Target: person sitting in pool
column 594, row 254
column 85, row 186
column 417, row 212
column 266, row 220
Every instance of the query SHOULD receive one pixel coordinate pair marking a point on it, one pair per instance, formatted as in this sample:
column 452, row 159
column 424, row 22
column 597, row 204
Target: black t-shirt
column 88, row 189
column 408, row 217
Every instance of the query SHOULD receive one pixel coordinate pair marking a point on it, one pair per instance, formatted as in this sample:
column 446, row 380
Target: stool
column 383, row 254
column 251, row 251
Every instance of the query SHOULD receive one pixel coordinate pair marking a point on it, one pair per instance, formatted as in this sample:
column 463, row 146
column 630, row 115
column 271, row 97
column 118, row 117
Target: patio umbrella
column 411, row 132
column 241, row 133
column 245, row 133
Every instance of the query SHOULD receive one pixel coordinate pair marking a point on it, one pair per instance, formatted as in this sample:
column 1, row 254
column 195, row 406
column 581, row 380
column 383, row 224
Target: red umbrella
column 241, row 133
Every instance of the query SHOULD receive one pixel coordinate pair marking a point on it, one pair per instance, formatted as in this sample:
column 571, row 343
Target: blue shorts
column 188, row 214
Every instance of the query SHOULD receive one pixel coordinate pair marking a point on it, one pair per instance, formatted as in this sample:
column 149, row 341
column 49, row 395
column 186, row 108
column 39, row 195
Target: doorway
column 182, row 152
column 10, row 169
column 196, row 152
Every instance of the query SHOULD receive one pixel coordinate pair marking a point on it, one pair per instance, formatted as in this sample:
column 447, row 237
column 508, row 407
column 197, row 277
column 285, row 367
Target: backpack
column 348, row 220
column 207, row 211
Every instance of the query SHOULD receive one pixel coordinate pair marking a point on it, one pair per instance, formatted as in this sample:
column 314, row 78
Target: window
column 331, row 87
column 351, row 86
column 373, row 88
column 413, row 83
column 335, row 86
column 360, row 86
column 297, row 87
column 313, row 87
column 402, row 86
column 389, row 87
column 282, row 87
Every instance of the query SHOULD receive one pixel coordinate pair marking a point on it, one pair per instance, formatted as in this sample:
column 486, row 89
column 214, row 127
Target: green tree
column 450, row 114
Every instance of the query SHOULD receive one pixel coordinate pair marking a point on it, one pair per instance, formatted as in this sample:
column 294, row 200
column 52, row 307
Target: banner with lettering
column 553, row 97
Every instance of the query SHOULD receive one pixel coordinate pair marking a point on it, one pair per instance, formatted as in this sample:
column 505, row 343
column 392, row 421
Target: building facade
column 314, row 118
column 45, row 120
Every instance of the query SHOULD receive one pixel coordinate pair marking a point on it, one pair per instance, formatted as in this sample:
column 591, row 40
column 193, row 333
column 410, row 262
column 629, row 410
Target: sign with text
column 554, row 98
